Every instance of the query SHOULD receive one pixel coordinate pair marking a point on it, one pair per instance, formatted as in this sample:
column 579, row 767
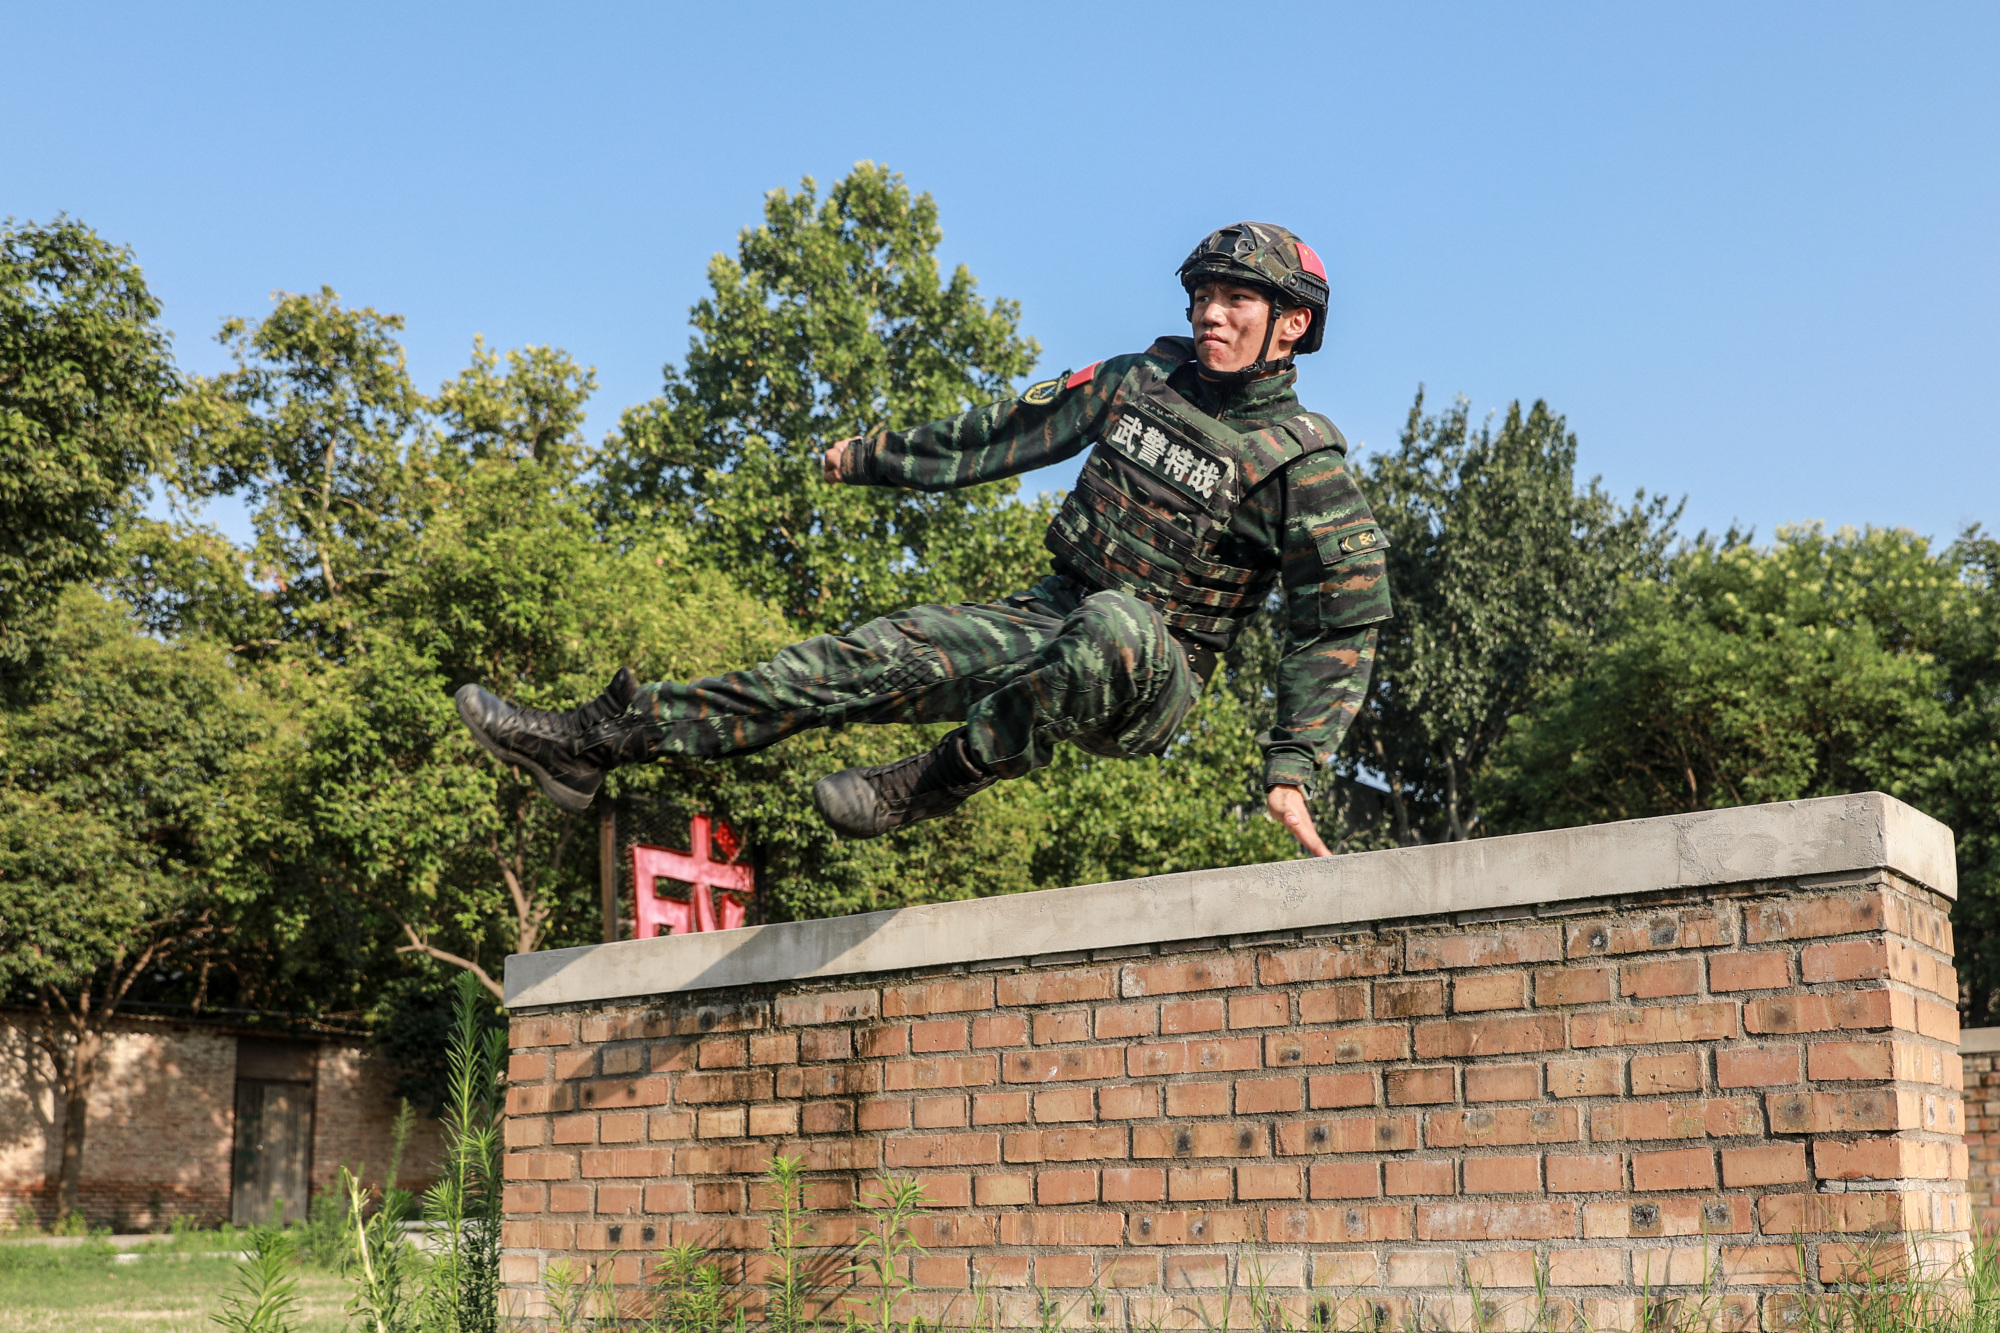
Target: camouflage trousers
column 1055, row 663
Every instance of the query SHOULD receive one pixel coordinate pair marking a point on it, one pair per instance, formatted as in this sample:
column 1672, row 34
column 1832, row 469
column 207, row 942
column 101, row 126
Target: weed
column 266, row 1287
column 885, row 1248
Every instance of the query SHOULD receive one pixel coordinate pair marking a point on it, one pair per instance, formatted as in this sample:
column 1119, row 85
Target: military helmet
column 1266, row 256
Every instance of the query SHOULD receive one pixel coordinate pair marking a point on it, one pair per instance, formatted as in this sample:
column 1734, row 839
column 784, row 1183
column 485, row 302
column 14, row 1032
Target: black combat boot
column 569, row 753
column 868, row 802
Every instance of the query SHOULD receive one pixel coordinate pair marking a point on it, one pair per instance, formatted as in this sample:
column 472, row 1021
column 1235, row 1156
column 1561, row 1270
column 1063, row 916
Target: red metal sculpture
column 717, row 889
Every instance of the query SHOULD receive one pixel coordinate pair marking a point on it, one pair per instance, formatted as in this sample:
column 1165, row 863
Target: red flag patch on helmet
column 1082, row 376
column 1309, row 261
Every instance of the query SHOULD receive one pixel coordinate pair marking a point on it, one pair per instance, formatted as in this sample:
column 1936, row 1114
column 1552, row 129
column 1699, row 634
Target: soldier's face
column 1229, row 326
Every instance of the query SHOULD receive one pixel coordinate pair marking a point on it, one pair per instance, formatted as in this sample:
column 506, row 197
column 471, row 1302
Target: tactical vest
column 1157, row 493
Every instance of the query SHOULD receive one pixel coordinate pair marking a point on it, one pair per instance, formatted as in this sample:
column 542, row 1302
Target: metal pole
column 607, row 867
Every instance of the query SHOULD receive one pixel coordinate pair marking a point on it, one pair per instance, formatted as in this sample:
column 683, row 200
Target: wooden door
column 272, row 1166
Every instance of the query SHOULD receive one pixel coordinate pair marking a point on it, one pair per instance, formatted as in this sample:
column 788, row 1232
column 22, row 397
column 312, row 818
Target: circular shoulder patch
column 1041, row 395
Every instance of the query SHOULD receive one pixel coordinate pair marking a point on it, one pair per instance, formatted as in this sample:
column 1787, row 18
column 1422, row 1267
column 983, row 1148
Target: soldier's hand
column 829, row 462
column 1288, row 806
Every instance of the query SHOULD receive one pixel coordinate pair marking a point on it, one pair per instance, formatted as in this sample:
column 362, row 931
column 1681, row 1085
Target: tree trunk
column 73, row 1084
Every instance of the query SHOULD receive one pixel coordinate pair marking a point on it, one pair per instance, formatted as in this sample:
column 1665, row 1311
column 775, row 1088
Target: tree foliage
column 86, row 378
column 1505, row 574
column 832, row 319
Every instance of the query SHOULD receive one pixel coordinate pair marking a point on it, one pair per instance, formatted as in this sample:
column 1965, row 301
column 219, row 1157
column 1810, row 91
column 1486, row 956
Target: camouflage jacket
column 1332, row 599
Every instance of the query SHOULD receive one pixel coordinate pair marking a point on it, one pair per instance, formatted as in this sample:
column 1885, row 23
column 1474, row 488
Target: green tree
column 86, row 380
column 119, row 782
column 831, row 320
column 1505, row 574
column 318, row 428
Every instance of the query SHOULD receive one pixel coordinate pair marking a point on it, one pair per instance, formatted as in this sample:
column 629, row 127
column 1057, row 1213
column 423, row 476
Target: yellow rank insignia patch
column 1041, row 395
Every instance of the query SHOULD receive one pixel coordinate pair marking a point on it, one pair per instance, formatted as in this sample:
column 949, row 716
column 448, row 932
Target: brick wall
column 1981, row 1053
column 1630, row 1092
column 162, row 1123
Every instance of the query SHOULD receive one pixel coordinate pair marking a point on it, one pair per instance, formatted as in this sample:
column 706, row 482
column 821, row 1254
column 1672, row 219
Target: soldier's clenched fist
column 829, row 461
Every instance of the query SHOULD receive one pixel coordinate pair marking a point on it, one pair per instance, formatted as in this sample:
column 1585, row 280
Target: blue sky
column 1749, row 250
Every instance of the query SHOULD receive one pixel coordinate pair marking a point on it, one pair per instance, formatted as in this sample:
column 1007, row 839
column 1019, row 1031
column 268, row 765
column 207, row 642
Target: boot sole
column 567, row 798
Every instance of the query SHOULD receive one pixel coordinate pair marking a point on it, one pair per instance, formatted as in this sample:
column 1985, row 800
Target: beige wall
column 162, row 1123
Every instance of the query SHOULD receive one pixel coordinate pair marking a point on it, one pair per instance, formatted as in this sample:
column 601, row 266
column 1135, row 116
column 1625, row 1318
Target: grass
column 171, row 1286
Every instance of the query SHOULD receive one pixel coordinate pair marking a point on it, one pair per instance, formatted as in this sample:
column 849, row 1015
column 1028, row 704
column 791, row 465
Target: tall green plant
column 884, row 1250
column 267, row 1285
column 381, row 1262
column 464, row 1208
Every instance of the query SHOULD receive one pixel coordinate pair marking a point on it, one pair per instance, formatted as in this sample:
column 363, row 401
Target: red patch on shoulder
column 1082, row 376
column 1310, row 262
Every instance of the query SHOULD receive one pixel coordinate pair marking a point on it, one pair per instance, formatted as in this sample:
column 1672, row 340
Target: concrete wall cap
column 1831, row 835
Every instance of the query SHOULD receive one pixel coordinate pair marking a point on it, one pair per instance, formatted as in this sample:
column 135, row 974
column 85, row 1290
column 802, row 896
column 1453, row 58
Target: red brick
column 1586, row 1173
column 1652, row 1024
column 1823, row 1013
column 1421, row 1087
column 1000, row 1108
column 1207, row 972
column 1192, row 1016
column 938, row 997
column 1883, row 1159
column 1657, row 980
column 1813, row 918
column 1002, row 1190
column 1068, row 987
column 1197, row 1099
column 1127, row 1020
column 1346, row 1180
column 947, row 1112
column 1091, row 1062
column 1331, row 1091
column 1771, row 1164
column 1192, row 1057
column 1415, row 1176
column 1768, row 969
column 755, row 1086
column 571, row 1198
column 1489, row 990
column 1534, row 944
column 672, row 1197
column 1496, row 1221
column 1666, row 1215
column 776, row 1048
column 1601, row 1076
column 1695, row 928
column 1831, row 1112
column 1269, row 1096
column 1354, row 1224
column 964, row 1071
column 540, row 1099
column 828, row 1007
column 1679, row 1071
column 1756, row 1066
column 1269, row 1181
column 1503, row 1083
column 999, row 1030
column 1064, row 1104
column 1713, row 1118
column 1066, row 1025
column 1340, row 1046
column 1128, row 1102
column 1677, row 1169
column 1238, row 1140
column 826, row 1118
column 1060, row 1187
column 715, row 1053
column 1503, row 1126
column 524, row 1067
column 620, row 1128
column 1079, row 1143
column 1409, row 999
column 1193, row 1185
column 1130, row 1270
column 938, row 1035
column 541, row 1032
column 1364, row 1133
column 884, row 1041
column 573, row 1129
column 1063, row 1270
column 1336, row 963
column 1489, row 1036
column 603, row 1162
column 1573, row 985
column 1334, row 1004
column 1867, row 1210
column 1503, row 1175
column 1127, row 1184
column 934, row 1150
column 1259, row 1011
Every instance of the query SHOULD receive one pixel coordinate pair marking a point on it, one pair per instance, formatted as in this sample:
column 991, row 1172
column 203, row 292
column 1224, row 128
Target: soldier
column 1208, row 485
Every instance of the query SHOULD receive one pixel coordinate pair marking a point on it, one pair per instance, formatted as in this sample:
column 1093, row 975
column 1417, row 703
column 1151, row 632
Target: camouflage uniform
column 1100, row 655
